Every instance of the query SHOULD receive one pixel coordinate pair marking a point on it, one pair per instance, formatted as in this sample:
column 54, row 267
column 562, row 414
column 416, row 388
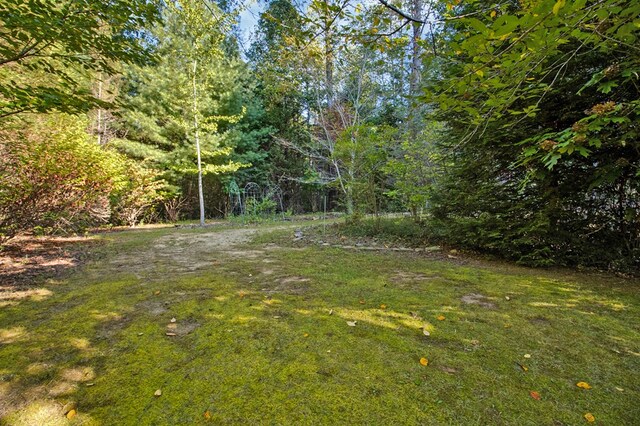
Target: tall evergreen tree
column 174, row 109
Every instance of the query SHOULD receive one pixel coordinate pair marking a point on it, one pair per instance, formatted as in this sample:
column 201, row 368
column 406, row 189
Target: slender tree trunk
column 414, row 79
column 99, row 118
column 197, row 136
column 328, row 57
column 351, row 205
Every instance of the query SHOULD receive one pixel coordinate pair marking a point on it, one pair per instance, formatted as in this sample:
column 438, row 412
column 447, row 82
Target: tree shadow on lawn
column 27, row 260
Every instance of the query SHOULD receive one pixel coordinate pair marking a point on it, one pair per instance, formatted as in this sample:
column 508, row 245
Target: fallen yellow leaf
column 71, row 414
column 157, row 393
column 583, row 385
column 589, row 417
column 383, row 306
column 207, row 415
column 306, row 334
column 424, row 361
column 440, row 317
column 493, row 14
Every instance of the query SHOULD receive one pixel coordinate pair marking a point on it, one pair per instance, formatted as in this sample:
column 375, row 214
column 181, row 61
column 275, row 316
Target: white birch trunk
column 197, row 137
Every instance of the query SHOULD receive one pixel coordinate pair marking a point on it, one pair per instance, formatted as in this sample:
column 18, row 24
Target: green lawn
column 261, row 337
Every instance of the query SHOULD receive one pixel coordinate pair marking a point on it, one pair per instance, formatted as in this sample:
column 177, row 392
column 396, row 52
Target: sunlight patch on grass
column 61, row 388
column 78, row 374
column 45, row 413
column 13, row 335
column 80, row 343
column 38, row 368
column 369, row 317
column 244, row 319
column 5, row 388
column 10, row 296
column 106, row 316
column 544, row 304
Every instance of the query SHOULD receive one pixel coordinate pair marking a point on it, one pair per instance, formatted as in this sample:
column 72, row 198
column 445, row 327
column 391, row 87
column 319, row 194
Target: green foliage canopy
column 57, row 43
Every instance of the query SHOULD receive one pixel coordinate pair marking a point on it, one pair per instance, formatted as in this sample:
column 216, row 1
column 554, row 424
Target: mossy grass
column 261, row 337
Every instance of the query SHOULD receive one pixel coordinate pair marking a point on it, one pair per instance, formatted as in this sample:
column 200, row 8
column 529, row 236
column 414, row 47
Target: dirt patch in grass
column 109, row 329
column 181, row 328
column 246, row 254
column 407, row 276
column 477, row 299
column 293, row 280
column 293, row 285
column 448, row 370
column 183, row 252
column 153, row 307
column 539, row 320
column 216, row 240
column 410, row 280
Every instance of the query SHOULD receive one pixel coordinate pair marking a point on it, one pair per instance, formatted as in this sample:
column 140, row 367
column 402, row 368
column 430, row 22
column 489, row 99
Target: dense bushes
column 559, row 220
column 540, row 160
column 53, row 177
column 137, row 192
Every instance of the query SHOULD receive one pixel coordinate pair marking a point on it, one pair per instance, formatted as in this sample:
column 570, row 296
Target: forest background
column 509, row 127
